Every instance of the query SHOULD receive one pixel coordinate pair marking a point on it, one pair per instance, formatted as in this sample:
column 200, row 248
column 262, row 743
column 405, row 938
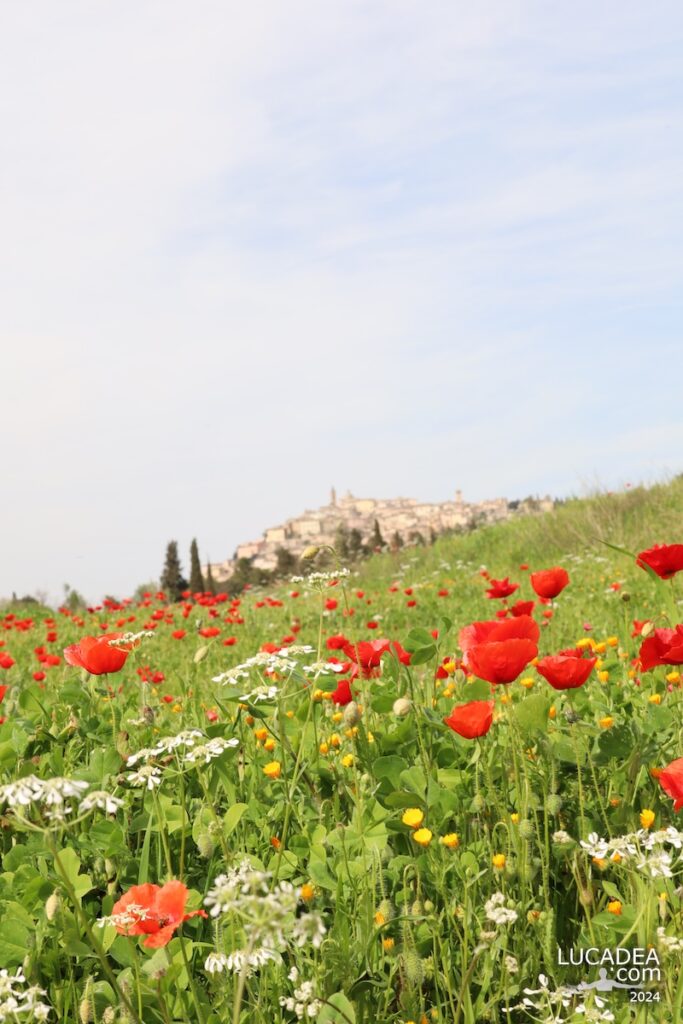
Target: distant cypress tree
column 396, row 541
column 196, row 578
column 355, row 544
column 341, row 542
column 377, row 540
column 210, row 581
column 172, row 580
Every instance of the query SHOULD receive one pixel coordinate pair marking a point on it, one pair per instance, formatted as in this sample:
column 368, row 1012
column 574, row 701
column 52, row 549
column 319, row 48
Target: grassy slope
column 633, row 519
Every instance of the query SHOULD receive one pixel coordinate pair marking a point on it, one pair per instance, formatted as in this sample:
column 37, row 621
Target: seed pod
column 625, row 596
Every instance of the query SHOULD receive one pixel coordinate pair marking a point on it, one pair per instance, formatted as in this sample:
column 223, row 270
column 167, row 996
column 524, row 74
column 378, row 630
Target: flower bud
column 647, row 630
column 554, row 803
column 402, row 707
column 351, row 713
column 205, row 845
column 309, row 553
column 526, row 829
column 200, row 654
column 52, row 906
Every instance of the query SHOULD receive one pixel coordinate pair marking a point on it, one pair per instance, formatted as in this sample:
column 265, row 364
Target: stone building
column 405, row 516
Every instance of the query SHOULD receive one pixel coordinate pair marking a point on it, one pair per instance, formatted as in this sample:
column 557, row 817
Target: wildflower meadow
column 441, row 785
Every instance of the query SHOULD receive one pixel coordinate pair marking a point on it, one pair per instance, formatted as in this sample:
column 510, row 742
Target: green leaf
column 532, row 713
column 13, row 942
column 69, row 865
column 233, row 816
column 337, row 1010
column 612, row 891
column 389, row 767
column 422, row 655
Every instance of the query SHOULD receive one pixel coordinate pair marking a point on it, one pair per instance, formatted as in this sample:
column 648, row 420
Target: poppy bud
column 554, row 803
column 526, row 829
column 85, row 1011
column 647, row 630
column 109, row 1015
column 205, row 845
column 351, row 713
column 309, row 553
column 52, row 906
column 402, row 707
column 478, row 803
column 200, row 654
column 412, row 966
column 386, row 909
column 417, row 909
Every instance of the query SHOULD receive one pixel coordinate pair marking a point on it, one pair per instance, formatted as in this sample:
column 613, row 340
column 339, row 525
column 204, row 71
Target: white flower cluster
column 166, row 745
column 669, row 943
column 267, row 916
column 304, row 1002
column 321, row 580
column 644, row 845
column 498, row 912
column 150, row 775
column 53, row 797
column 127, row 918
column 279, row 661
column 209, row 751
column 131, row 638
column 17, row 1001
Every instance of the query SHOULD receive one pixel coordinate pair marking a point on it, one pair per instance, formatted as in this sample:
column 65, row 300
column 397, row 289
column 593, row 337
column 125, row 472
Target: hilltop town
column 413, row 521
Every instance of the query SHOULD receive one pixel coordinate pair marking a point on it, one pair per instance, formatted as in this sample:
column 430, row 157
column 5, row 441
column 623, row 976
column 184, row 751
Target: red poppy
column 3, row 691
column 549, row 582
column 343, row 695
column 501, row 588
column 566, row 670
column 671, row 781
column 331, row 604
column 6, row 661
column 209, row 631
column 664, row 647
column 522, row 608
column 664, row 559
column 500, row 661
column 178, row 634
column 96, row 655
column 155, row 911
column 522, row 627
column 471, row 720
column 337, row 643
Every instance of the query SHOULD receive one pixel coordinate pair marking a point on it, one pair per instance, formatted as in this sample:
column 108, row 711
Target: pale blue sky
column 252, row 250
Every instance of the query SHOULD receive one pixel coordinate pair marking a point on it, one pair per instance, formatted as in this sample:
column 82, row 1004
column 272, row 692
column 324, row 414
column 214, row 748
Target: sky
column 253, row 250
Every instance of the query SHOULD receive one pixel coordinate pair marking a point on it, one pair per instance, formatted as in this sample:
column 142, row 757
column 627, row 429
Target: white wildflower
column 207, row 752
column 147, row 775
column 101, row 801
